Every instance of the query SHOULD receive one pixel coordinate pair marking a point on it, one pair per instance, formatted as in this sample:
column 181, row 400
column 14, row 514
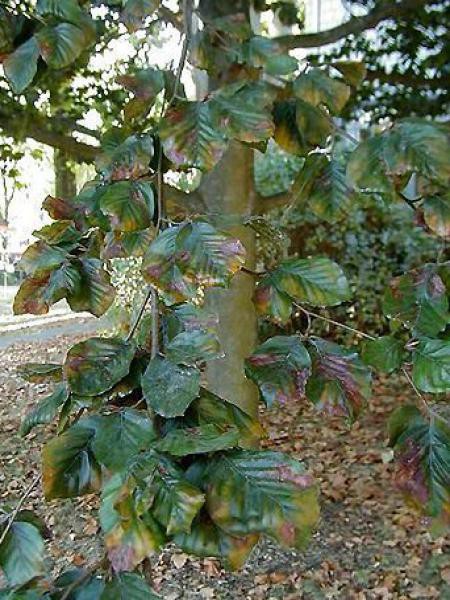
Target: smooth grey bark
column 228, row 190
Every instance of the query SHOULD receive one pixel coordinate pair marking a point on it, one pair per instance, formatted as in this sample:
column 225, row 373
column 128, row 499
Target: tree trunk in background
column 229, row 190
column 65, row 180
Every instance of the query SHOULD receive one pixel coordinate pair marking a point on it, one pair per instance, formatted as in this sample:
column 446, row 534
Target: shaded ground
column 369, row 544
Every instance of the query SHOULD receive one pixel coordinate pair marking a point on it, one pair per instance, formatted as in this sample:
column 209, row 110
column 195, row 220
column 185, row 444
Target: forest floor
column 369, row 544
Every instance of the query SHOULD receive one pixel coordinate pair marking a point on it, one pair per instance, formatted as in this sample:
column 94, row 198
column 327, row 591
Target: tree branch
column 48, row 131
column 266, row 203
column 381, row 12
column 408, row 79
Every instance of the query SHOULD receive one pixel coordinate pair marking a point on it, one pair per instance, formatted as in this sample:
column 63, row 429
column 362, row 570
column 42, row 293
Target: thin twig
column 251, row 272
column 140, row 314
column 19, row 505
column 155, row 322
column 187, row 22
column 342, row 325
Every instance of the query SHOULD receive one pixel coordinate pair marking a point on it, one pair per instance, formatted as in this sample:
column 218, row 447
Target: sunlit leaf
column 385, row 354
column 97, row 364
column 422, row 451
column 183, row 258
column 262, row 52
column 431, row 366
column 69, row 467
column 262, row 492
column 280, row 367
column 317, row 88
column 340, row 383
column 169, row 388
column 353, row 71
column 46, row 409
column 190, row 137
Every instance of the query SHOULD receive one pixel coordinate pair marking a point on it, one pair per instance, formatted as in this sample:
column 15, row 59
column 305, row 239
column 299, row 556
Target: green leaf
column 40, row 257
column 316, row 281
column 262, row 52
column 128, row 586
column 437, row 214
column 20, row 67
column 97, row 364
column 131, row 533
column 46, row 410
column 95, row 293
column 176, row 502
column 419, row 300
column 340, row 383
column 431, row 366
column 189, row 256
column 38, row 292
column 130, row 204
column 62, row 45
column 211, row 409
column 322, row 185
column 40, row 372
column 422, row 452
column 313, row 125
column 22, row 553
column 193, row 335
column 69, row 467
column 317, row 88
column 199, row 440
column 126, row 158
column 169, row 388
column 353, row 71
column 206, row 539
column 246, row 114
column 280, row 368
column 262, row 492
column 60, row 232
column 135, row 12
column 145, row 84
column 120, row 436
column 190, row 137
column 385, row 354
column 66, row 10
column 411, row 146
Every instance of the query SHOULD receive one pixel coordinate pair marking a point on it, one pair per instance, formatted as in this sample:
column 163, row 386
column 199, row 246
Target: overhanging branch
column 382, row 12
column 408, row 79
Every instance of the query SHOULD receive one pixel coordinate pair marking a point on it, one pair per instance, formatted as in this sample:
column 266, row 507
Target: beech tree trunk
column 229, row 191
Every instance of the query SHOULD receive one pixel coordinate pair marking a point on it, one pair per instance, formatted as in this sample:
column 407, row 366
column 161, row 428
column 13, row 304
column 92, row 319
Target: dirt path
column 369, row 544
